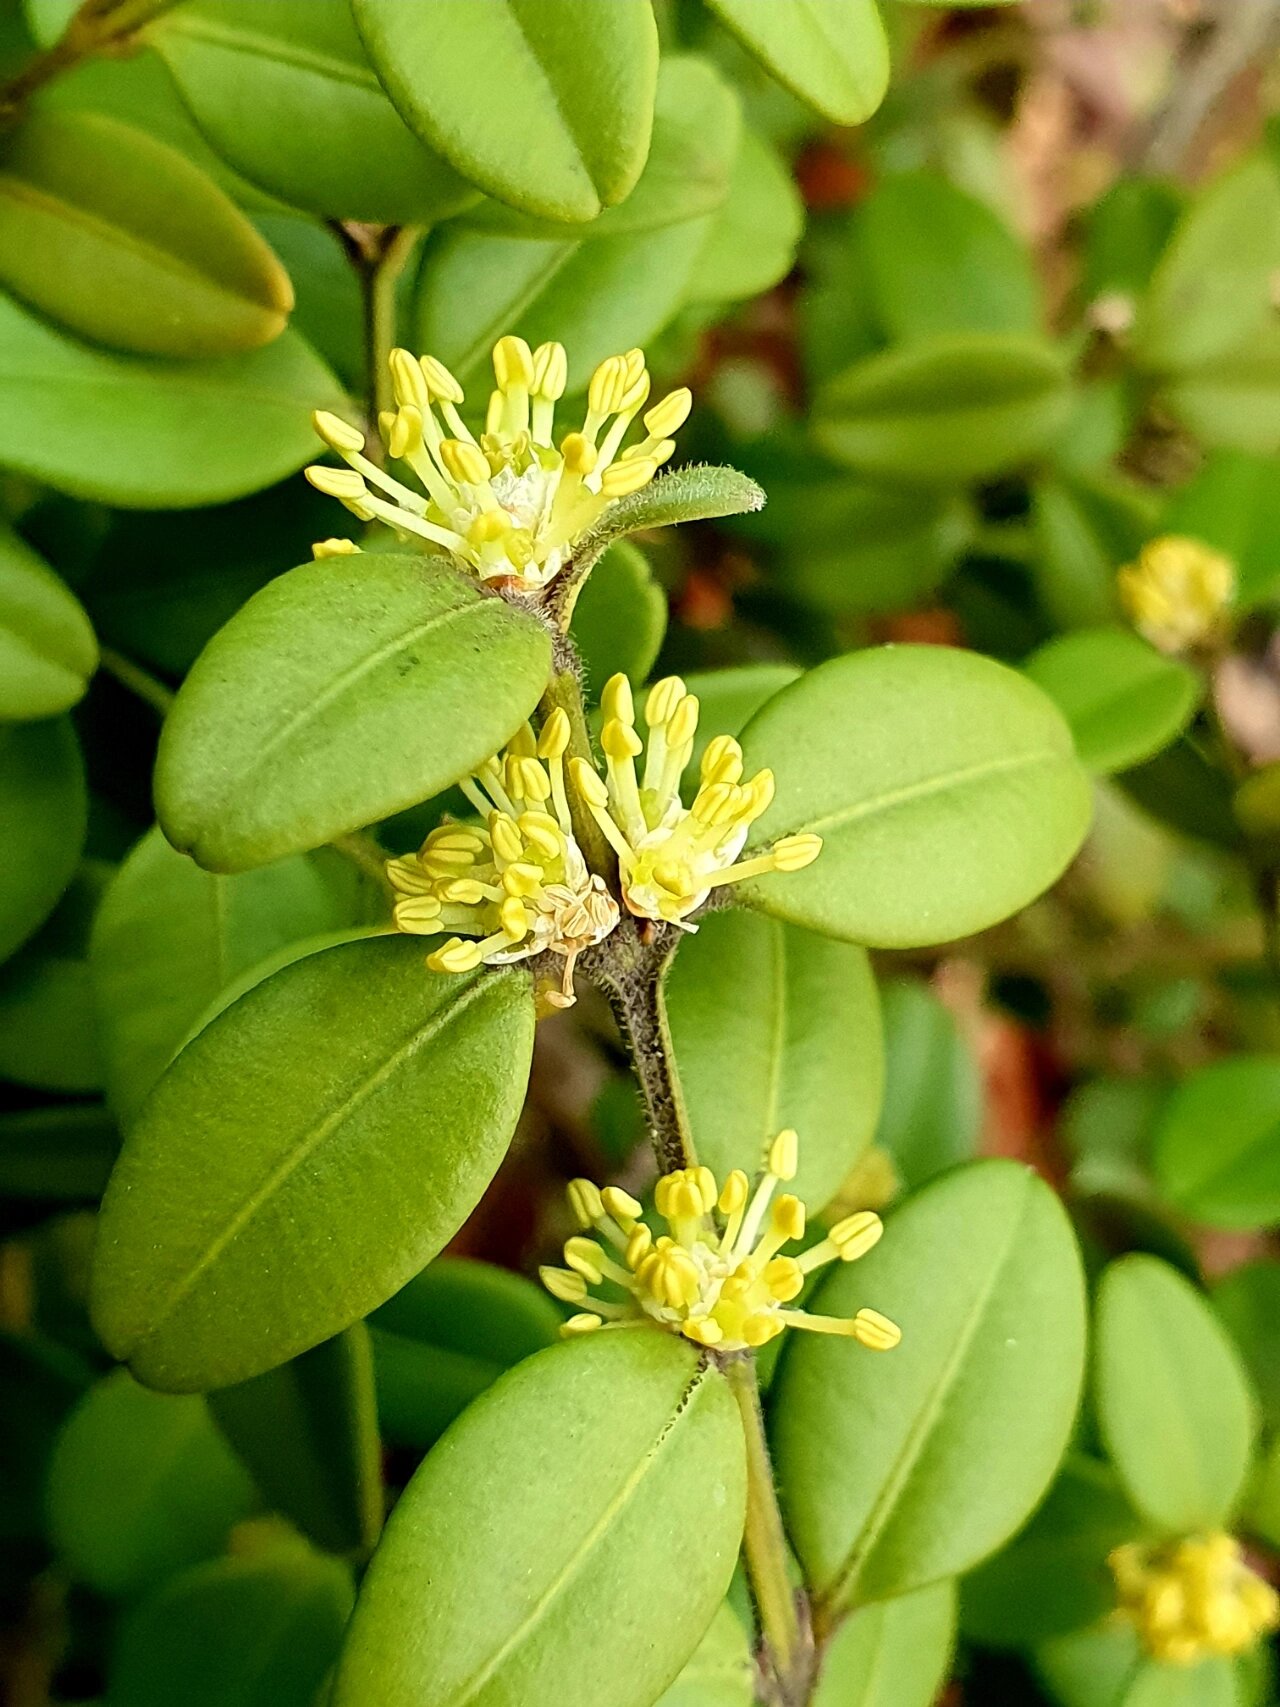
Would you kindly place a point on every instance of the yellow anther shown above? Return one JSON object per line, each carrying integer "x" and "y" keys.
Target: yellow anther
{"x": 553, "y": 741}
{"x": 507, "y": 841}
{"x": 671, "y": 1275}
{"x": 522, "y": 880}
{"x": 550, "y": 372}
{"x": 622, "y": 478}
{"x": 670, "y": 414}
{"x": 543, "y": 831}
{"x": 784, "y": 1278}
{"x": 524, "y": 742}
{"x": 585, "y": 1202}
{"x": 464, "y": 463}
{"x": 441, "y": 384}
{"x": 621, "y": 1205}
{"x": 609, "y": 385}
{"x": 760, "y": 791}
{"x": 788, "y": 1217}
{"x": 704, "y": 1330}
{"x": 464, "y": 892}
{"x": 417, "y": 915}
{"x": 1177, "y": 592}
{"x": 760, "y": 1328}
{"x": 489, "y": 527}
{"x": 875, "y": 1331}
{"x": 616, "y": 700}
{"x": 563, "y": 1283}
{"x": 856, "y": 1234}
{"x": 722, "y": 761}
{"x": 515, "y": 918}
{"x": 619, "y": 741}
{"x": 456, "y": 956}
{"x": 588, "y": 783}
{"x": 784, "y": 1154}
{"x": 683, "y": 723}
{"x": 584, "y": 1257}
{"x": 737, "y": 1188}
{"x": 639, "y": 1244}
{"x": 513, "y": 364}
{"x": 528, "y": 779}
{"x": 793, "y": 853}
{"x": 664, "y": 697}
{"x": 334, "y": 548}
{"x": 520, "y": 547}
{"x": 579, "y": 454}
{"x": 405, "y": 435}
{"x": 338, "y": 434}
{"x": 342, "y": 483}
{"x": 408, "y": 381}
{"x": 686, "y": 1192}
{"x": 583, "y": 1323}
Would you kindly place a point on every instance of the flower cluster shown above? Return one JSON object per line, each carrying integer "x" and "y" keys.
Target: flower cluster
{"x": 717, "y": 1276}
{"x": 517, "y": 881}
{"x": 671, "y": 856}
{"x": 1193, "y": 1597}
{"x": 1177, "y": 592}
{"x": 510, "y": 504}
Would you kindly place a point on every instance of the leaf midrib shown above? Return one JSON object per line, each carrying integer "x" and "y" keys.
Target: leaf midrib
{"x": 237, "y": 39}
{"x": 892, "y": 799}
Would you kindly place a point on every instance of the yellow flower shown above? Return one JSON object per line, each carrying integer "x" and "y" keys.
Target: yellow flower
{"x": 1193, "y": 1597}
{"x": 517, "y": 880}
{"x": 1177, "y": 592}
{"x": 718, "y": 1276}
{"x": 509, "y": 504}
{"x": 671, "y": 856}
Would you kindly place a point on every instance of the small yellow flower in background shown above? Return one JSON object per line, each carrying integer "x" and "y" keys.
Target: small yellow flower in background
{"x": 671, "y": 856}
{"x": 509, "y": 504}
{"x": 1177, "y": 592}
{"x": 1193, "y": 1597}
{"x": 517, "y": 880}
{"x": 718, "y": 1276}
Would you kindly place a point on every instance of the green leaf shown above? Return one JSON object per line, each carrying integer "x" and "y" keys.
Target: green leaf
{"x": 770, "y": 1027}
{"x": 1083, "y": 532}
{"x": 182, "y": 433}
{"x": 1186, "y": 789}
{"x": 1210, "y": 1683}
{"x": 945, "y": 409}
{"x": 1173, "y": 1399}
{"x": 341, "y": 693}
{"x": 286, "y": 93}
{"x": 258, "y": 1631}
{"x": 721, "y": 1672}
{"x": 729, "y": 699}
{"x": 1233, "y": 401}
{"x": 1091, "y": 1666}
{"x": 959, "y": 802}
{"x": 933, "y": 1094}
{"x": 565, "y": 128}
{"x": 620, "y": 617}
{"x": 1247, "y": 1302}
{"x": 833, "y": 54}
{"x": 1233, "y": 503}
{"x": 141, "y": 1485}
{"x": 1053, "y": 1577}
{"x": 1123, "y": 700}
{"x": 967, "y": 1417}
{"x": 896, "y": 1654}
{"x": 47, "y": 648}
{"x": 1125, "y": 235}
{"x": 568, "y": 1581}
{"x": 342, "y": 1118}
{"x": 694, "y": 494}
{"x": 308, "y": 1433}
{"x": 751, "y": 243}
{"x": 121, "y": 239}
{"x": 448, "y": 1335}
{"x": 64, "y": 1151}
{"x": 1217, "y": 1150}
{"x": 48, "y": 1031}
{"x": 942, "y": 261}
{"x": 44, "y": 808}
{"x": 1212, "y": 287}
{"x": 169, "y": 938}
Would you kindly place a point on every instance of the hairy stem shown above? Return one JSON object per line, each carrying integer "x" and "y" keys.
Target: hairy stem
{"x": 98, "y": 26}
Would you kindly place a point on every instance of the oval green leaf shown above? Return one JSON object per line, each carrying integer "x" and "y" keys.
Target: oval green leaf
{"x": 1122, "y": 699}
{"x": 305, "y": 1155}
{"x": 752, "y": 241}
{"x": 772, "y": 1026}
{"x": 1173, "y": 1399}
{"x": 1217, "y": 1148}
{"x": 141, "y": 1485}
{"x": 341, "y": 693}
{"x": 896, "y": 1654}
{"x": 947, "y": 408}
{"x": 47, "y": 648}
{"x": 44, "y": 807}
{"x": 286, "y": 93}
{"x": 932, "y": 1113}
{"x": 182, "y": 433}
{"x": 568, "y": 1582}
{"x": 945, "y": 787}
{"x": 620, "y": 618}
{"x": 833, "y": 54}
{"x": 124, "y": 241}
{"x": 1247, "y": 1302}
{"x": 545, "y": 104}
{"x": 969, "y": 1415}
{"x": 729, "y": 700}
{"x": 721, "y": 1672}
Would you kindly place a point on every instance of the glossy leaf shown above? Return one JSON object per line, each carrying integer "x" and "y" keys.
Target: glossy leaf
{"x": 968, "y": 1415}
{"x": 958, "y": 802}
{"x": 287, "y": 94}
{"x": 831, "y": 53}
{"x": 256, "y": 1631}
{"x": 1217, "y": 1150}
{"x": 182, "y": 433}
{"x": 943, "y": 409}
{"x": 1083, "y": 531}
{"x": 1123, "y": 700}
{"x": 448, "y": 1335}
{"x": 170, "y": 937}
{"x": 721, "y": 1672}
{"x": 931, "y": 1117}
{"x": 1173, "y": 1399}
{"x": 568, "y": 1583}
{"x": 896, "y": 1654}
{"x": 771, "y": 1026}
{"x": 119, "y": 238}
{"x": 751, "y": 244}
{"x": 339, "y": 1120}
{"x": 141, "y": 1485}
{"x": 341, "y": 693}
{"x": 568, "y": 133}
{"x": 47, "y": 648}
{"x": 620, "y": 617}
{"x": 1247, "y": 1302}
{"x": 44, "y": 808}
{"x": 65, "y": 1151}
{"x": 308, "y": 1434}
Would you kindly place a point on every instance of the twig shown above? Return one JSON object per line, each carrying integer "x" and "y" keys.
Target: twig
{"x": 138, "y": 681}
